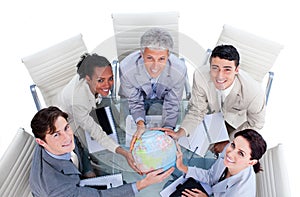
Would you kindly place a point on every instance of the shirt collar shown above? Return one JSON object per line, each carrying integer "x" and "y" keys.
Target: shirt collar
{"x": 227, "y": 90}
{"x": 66, "y": 156}
{"x": 98, "y": 99}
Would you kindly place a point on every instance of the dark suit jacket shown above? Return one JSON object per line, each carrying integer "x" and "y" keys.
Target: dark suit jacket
{"x": 54, "y": 177}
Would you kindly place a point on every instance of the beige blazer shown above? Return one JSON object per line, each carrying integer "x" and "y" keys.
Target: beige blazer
{"x": 77, "y": 100}
{"x": 243, "y": 108}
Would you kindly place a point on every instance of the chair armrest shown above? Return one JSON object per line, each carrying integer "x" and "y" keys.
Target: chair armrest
{"x": 35, "y": 97}
{"x": 269, "y": 84}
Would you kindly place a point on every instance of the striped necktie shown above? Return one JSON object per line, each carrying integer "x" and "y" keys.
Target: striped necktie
{"x": 153, "y": 86}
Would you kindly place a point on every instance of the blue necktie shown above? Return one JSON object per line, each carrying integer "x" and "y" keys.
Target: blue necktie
{"x": 153, "y": 85}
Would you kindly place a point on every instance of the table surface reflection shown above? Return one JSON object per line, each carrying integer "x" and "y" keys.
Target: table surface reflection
{"x": 111, "y": 163}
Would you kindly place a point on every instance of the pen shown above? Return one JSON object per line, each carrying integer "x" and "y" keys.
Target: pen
{"x": 192, "y": 155}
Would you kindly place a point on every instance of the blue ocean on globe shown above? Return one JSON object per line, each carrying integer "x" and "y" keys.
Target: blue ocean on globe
{"x": 154, "y": 150}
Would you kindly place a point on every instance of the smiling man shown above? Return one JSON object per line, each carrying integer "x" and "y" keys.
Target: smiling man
{"x": 55, "y": 172}
{"x": 152, "y": 79}
{"x": 223, "y": 87}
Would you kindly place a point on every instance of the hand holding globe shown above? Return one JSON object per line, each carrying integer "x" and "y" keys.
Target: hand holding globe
{"x": 154, "y": 150}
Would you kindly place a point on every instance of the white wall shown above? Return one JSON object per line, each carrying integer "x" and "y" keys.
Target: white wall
{"x": 29, "y": 26}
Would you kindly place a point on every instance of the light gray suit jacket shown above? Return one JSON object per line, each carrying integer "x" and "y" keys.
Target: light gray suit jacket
{"x": 136, "y": 86}
{"x": 50, "y": 177}
{"x": 242, "y": 184}
{"x": 243, "y": 108}
{"x": 77, "y": 100}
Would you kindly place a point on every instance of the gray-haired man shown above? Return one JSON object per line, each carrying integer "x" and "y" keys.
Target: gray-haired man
{"x": 152, "y": 79}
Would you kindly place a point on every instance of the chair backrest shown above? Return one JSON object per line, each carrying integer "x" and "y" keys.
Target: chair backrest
{"x": 129, "y": 27}
{"x": 273, "y": 181}
{"x": 52, "y": 68}
{"x": 257, "y": 54}
{"x": 15, "y": 165}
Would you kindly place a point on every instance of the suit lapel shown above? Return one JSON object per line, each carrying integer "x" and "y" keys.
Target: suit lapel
{"x": 60, "y": 165}
{"x": 235, "y": 96}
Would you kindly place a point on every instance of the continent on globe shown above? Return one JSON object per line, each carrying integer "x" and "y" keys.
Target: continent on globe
{"x": 154, "y": 150}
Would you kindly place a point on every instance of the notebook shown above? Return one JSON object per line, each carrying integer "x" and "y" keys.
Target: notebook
{"x": 210, "y": 131}
{"x": 107, "y": 123}
{"x": 190, "y": 184}
{"x": 109, "y": 181}
{"x": 181, "y": 183}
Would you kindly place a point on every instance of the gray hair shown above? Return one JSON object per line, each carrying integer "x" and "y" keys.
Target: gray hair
{"x": 157, "y": 38}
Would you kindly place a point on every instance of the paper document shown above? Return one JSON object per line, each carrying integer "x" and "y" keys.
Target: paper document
{"x": 211, "y": 130}
{"x": 152, "y": 121}
{"x": 94, "y": 146}
{"x": 106, "y": 121}
{"x": 110, "y": 181}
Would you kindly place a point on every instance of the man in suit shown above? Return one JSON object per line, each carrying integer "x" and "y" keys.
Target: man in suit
{"x": 223, "y": 87}
{"x": 152, "y": 80}
{"x": 53, "y": 170}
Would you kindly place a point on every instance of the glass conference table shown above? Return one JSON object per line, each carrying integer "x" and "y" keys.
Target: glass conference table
{"x": 111, "y": 163}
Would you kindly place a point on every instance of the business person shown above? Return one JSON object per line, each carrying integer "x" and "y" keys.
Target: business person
{"x": 78, "y": 98}
{"x": 233, "y": 173}
{"x": 53, "y": 170}
{"x": 152, "y": 80}
{"x": 223, "y": 87}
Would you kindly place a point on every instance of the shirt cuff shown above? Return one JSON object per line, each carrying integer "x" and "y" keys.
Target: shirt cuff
{"x": 140, "y": 118}
{"x": 187, "y": 134}
{"x": 134, "y": 188}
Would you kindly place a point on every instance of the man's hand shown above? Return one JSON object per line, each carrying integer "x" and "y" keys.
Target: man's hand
{"x": 172, "y": 133}
{"x": 128, "y": 156}
{"x": 218, "y": 147}
{"x": 153, "y": 177}
{"x": 140, "y": 129}
{"x": 193, "y": 193}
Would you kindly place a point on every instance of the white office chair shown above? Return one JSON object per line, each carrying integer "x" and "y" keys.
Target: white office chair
{"x": 15, "y": 166}
{"x": 129, "y": 27}
{"x": 52, "y": 68}
{"x": 257, "y": 54}
{"x": 273, "y": 181}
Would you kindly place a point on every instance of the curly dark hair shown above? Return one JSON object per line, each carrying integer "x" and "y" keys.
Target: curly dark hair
{"x": 87, "y": 64}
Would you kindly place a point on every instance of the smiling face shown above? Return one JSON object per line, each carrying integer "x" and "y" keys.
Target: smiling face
{"x": 222, "y": 72}
{"x": 155, "y": 61}
{"x": 61, "y": 141}
{"x": 102, "y": 80}
{"x": 238, "y": 156}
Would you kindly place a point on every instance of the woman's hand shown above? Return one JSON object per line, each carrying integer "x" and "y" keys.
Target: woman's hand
{"x": 193, "y": 193}
{"x": 179, "y": 160}
{"x": 153, "y": 177}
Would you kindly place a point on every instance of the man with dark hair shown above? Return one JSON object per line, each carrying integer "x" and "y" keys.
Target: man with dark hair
{"x": 223, "y": 87}
{"x": 54, "y": 171}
